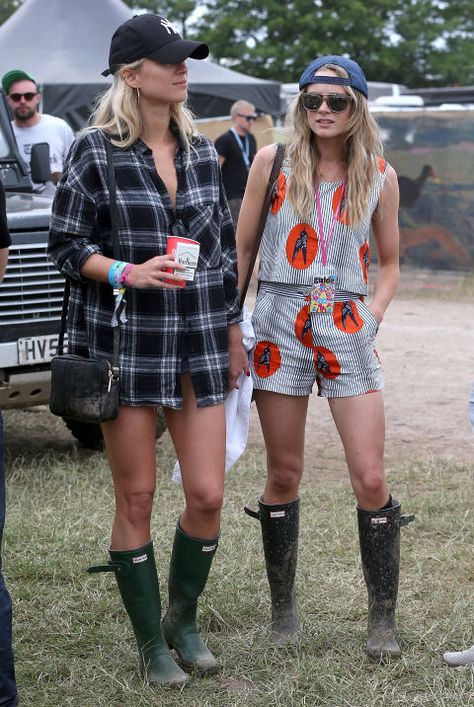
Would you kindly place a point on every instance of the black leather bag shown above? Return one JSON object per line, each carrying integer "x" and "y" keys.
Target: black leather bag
{"x": 87, "y": 389}
{"x": 84, "y": 389}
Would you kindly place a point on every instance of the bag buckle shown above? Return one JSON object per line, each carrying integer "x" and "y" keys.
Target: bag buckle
{"x": 114, "y": 374}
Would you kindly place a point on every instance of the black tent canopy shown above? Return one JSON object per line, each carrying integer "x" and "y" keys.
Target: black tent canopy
{"x": 64, "y": 44}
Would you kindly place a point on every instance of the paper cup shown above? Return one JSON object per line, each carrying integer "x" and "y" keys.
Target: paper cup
{"x": 186, "y": 251}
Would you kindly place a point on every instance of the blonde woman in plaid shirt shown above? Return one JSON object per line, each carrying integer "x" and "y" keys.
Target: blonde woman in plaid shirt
{"x": 180, "y": 347}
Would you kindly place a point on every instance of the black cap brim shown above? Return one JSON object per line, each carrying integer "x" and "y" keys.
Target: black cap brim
{"x": 174, "y": 53}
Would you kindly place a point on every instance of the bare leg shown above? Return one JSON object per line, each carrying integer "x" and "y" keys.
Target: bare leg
{"x": 198, "y": 435}
{"x": 130, "y": 443}
{"x": 283, "y": 423}
{"x": 283, "y": 419}
{"x": 360, "y": 421}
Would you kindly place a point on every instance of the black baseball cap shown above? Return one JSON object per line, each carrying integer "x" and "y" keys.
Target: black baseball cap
{"x": 151, "y": 37}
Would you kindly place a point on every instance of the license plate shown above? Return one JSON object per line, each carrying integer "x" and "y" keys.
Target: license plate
{"x": 37, "y": 349}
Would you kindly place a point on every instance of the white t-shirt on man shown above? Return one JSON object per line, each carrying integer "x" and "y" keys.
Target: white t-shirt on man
{"x": 55, "y": 131}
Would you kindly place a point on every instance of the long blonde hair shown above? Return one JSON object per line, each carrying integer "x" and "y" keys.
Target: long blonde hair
{"x": 362, "y": 146}
{"x": 118, "y": 113}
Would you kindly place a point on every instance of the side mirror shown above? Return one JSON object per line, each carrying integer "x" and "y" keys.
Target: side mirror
{"x": 40, "y": 167}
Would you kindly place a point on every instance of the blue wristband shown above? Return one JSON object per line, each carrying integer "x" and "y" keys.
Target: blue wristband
{"x": 115, "y": 272}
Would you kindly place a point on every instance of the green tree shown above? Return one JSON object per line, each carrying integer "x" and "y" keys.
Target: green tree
{"x": 8, "y": 7}
{"x": 178, "y": 11}
{"x": 414, "y": 42}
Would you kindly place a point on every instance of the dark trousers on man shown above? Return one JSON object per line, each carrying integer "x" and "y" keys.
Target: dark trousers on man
{"x": 8, "y": 692}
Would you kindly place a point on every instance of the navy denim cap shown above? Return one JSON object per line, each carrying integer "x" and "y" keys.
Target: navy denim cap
{"x": 356, "y": 78}
{"x": 150, "y": 37}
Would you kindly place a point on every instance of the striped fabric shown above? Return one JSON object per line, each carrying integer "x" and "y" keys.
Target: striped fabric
{"x": 164, "y": 326}
{"x": 291, "y": 250}
{"x": 295, "y": 348}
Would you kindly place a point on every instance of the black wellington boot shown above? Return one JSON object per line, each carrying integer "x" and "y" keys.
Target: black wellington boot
{"x": 137, "y": 579}
{"x": 280, "y": 527}
{"x": 191, "y": 561}
{"x": 379, "y": 536}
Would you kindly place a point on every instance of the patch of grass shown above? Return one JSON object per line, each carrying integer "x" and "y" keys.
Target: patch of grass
{"x": 74, "y": 645}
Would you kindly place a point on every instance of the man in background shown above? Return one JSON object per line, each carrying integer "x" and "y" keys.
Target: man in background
{"x": 8, "y": 691}
{"x": 30, "y": 126}
{"x": 236, "y": 149}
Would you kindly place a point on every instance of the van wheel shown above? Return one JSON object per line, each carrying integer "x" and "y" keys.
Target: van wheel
{"x": 89, "y": 434}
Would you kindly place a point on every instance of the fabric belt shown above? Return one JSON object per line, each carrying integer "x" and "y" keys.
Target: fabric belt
{"x": 284, "y": 289}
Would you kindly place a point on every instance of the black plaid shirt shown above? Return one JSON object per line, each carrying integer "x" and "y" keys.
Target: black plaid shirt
{"x": 164, "y": 326}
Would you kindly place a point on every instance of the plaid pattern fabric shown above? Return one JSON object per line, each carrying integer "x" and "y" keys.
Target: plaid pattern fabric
{"x": 164, "y": 326}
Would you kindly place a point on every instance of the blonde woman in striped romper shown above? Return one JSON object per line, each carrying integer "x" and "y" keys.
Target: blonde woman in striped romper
{"x": 313, "y": 325}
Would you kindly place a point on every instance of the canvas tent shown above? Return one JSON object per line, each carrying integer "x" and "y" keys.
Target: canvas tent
{"x": 64, "y": 44}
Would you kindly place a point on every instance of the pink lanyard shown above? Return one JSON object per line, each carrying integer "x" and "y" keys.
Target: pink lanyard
{"x": 325, "y": 243}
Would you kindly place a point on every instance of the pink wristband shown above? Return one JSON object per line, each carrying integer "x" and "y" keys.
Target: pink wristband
{"x": 125, "y": 273}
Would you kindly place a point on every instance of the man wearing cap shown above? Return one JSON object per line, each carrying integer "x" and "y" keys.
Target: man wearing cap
{"x": 30, "y": 126}
{"x": 236, "y": 149}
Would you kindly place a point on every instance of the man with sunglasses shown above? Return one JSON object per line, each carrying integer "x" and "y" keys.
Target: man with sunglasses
{"x": 236, "y": 149}
{"x": 31, "y": 127}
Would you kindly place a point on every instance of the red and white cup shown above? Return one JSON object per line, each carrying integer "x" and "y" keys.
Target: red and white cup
{"x": 186, "y": 252}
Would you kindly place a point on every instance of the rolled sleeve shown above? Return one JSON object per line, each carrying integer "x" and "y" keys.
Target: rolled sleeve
{"x": 74, "y": 211}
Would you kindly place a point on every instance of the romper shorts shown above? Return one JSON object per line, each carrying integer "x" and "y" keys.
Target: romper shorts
{"x": 294, "y": 348}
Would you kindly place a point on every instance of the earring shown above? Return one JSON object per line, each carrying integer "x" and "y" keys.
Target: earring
{"x": 138, "y": 93}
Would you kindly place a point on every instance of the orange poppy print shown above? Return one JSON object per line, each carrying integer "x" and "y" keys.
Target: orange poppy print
{"x": 346, "y": 317}
{"x": 326, "y": 363}
{"x": 302, "y": 246}
{"x": 266, "y": 359}
{"x": 336, "y": 204}
{"x": 303, "y": 328}
{"x": 381, "y": 164}
{"x": 364, "y": 257}
{"x": 279, "y": 197}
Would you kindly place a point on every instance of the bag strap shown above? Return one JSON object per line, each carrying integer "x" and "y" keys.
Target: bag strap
{"x": 279, "y": 155}
{"x": 116, "y": 253}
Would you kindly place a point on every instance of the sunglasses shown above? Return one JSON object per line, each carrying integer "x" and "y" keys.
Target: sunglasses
{"x": 336, "y": 102}
{"x": 248, "y": 118}
{"x": 16, "y": 97}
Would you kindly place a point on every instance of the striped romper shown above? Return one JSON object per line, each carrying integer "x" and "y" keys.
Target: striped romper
{"x": 295, "y": 347}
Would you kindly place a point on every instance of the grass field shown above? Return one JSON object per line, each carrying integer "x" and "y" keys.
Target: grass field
{"x": 74, "y": 645}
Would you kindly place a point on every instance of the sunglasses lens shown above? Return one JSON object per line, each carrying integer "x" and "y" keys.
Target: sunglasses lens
{"x": 335, "y": 102}
{"x": 16, "y": 97}
{"x": 338, "y": 104}
{"x": 312, "y": 101}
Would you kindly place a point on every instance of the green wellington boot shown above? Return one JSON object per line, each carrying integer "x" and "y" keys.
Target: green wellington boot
{"x": 280, "y": 528}
{"x": 379, "y": 536}
{"x": 137, "y": 579}
{"x": 189, "y": 569}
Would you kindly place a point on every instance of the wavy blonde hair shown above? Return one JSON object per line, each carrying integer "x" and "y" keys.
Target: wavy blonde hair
{"x": 362, "y": 146}
{"x": 118, "y": 113}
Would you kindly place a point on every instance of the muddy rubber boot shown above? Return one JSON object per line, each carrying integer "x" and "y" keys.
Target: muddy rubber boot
{"x": 280, "y": 527}
{"x": 137, "y": 579}
{"x": 191, "y": 561}
{"x": 379, "y": 536}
